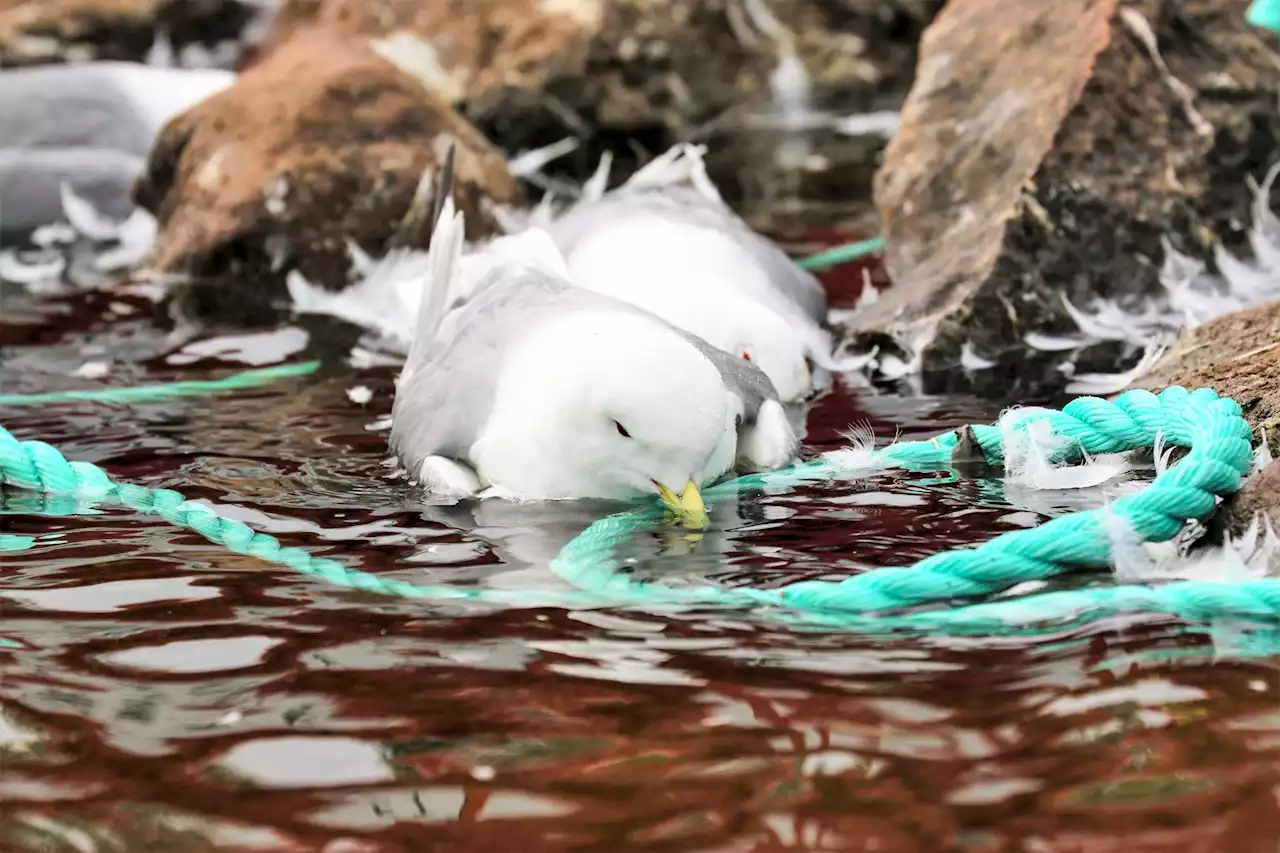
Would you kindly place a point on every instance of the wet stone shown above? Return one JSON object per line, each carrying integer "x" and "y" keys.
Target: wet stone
{"x": 1238, "y": 356}
{"x": 1046, "y": 149}
{"x": 323, "y": 142}
{"x": 635, "y": 76}
{"x": 49, "y": 31}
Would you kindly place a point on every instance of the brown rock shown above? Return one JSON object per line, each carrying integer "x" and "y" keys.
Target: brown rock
{"x": 1239, "y": 357}
{"x": 34, "y": 32}
{"x": 482, "y": 44}
{"x": 1044, "y": 151}
{"x": 1260, "y": 496}
{"x": 624, "y": 72}
{"x": 325, "y": 141}
{"x": 975, "y": 129}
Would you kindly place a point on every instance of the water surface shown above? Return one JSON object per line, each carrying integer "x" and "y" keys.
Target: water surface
{"x": 160, "y": 693}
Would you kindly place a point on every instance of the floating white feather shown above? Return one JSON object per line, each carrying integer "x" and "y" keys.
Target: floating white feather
{"x": 1252, "y": 555}
{"x": 1190, "y": 296}
{"x": 385, "y": 300}
{"x": 533, "y": 162}
{"x": 681, "y": 164}
{"x": 598, "y": 184}
{"x": 970, "y": 360}
{"x": 53, "y": 234}
{"x": 1161, "y": 455}
{"x": 860, "y": 455}
{"x": 84, "y": 217}
{"x": 1110, "y": 383}
{"x": 1262, "y": 454}
{"x": 135, "y": 238}
{"x": 1033, "y": 453}
{"x": 1054, "y": 343}
{"x": 30, "y": 273}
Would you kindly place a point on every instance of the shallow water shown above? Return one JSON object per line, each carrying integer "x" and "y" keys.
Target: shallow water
{"x": 162, "y": 694}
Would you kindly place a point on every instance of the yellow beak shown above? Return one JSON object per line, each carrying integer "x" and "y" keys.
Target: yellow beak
{"x": 688, "y": 506}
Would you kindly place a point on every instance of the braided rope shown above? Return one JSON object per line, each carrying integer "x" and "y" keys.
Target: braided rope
{"x": 73, "y": 487}
{"x": 1220, "y": 456}
{"x": 1212, "y": 427}
{"x": 1264, "y": 14}
{"x": 843, "y": 254}
{"x": 166, "y": 390}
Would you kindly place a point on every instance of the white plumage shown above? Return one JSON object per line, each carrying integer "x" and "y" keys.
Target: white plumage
{"x": 533, "y": 389}
{"x": 665, "y": 241}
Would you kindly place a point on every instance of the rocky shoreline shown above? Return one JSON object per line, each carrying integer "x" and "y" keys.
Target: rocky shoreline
{"x": 342, "y": 106}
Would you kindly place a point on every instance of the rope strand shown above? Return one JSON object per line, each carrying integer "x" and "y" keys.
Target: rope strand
{"x": 885, "y": 599}
{"x": 166, "y": 390}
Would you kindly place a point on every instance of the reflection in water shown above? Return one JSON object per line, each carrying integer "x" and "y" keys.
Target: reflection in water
{"x": 162, "y": 694}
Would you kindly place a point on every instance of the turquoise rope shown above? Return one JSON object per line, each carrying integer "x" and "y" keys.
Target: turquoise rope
{"x": 1264, "y": 14}
{"x": 73, "y": 487}
{"x": 841, "y": 254}
{"x": 37, "y": 466}
{"x": 1212, "y": 427}
{"x": 1220, "y": 456}
{"x": 11, "y": 542}
{"x": 167, "y": 390}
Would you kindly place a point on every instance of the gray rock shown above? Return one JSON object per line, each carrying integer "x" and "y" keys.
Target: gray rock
{"x": 1048, "y": 150}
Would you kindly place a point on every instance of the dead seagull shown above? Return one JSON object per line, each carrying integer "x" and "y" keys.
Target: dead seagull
{"x": 666, "y": 242}
{"x": 533, "y": 389}
{"x": 663, "y": 242}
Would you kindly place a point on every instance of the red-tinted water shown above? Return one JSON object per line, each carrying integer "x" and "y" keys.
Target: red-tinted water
{"x": 164, "y": 695}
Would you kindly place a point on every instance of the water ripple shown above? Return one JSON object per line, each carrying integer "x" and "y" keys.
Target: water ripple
{"x": 159, "y": 693}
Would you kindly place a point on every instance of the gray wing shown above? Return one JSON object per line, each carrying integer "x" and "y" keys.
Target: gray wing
{"x": 740, "y": 376}
{"x": 446, "y": 399}
{"x": 796, "y": 290}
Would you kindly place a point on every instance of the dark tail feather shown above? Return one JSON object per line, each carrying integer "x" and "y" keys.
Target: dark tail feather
{"x": 444, "y": 186}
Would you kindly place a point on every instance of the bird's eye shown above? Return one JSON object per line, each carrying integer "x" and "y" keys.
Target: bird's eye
{"x": 622, "y": 431}
{"x": 746, "y": 355}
